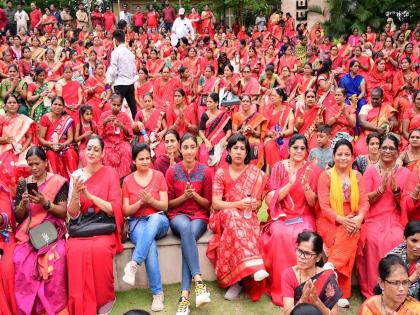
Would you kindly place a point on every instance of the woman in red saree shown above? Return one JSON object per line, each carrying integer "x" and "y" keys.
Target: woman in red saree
{"x": 7, "y": 245}
{"x": 304, "y": 82}
{"x": 187, "y": 84}
{"x": 56, "y": 134}
{"x": 97, "y": 92}
{"x": 378, "y": 77}
{"x": 252, "y": 125}
{"x": 53, "y": 68}
{"x": 252, "y": 60}
{"x": 208, "y": 59}
{"x": 281, "y": 125}
{"x": 48, "y": 21}
{"x": 288, "y": 59}
{"x": 411, "y": 119}
{"x": 270, "y": 56}
{"x": 207, "y": 17}
{"x": 115, "y": 128}
{"x": 237, "y": 194}
{"x": 173, "y": 61}
{"x": 154, "y": 65}
{"x": 339, "y": 116}
{"x": 310, "y": 118}
{"x": 291, "y": 202}
{"x": 344, "y": 203}
{"x": 365, "y": 62}
{"x": 17, "y": 131}
{"x": 215, "y": 129}
{"x": 390, "y": 54}
{"x": 206, "y": 84}
{"x": 84, "y": 129}
{"x": 90, "y": 259}
{"x": 192, "y": 62}
{"x": 142, "y": 86}
{"x": 180, "y": 116}
{"x": 248, "y": 84}
{"x": 164, "y": 89}
{"x": 382, "y": 230}
{"x": 410, "y": 158}
{"x": 194, "y": 17}
{"x": 378, "y": 117}
{"x": 150, "y": 126}
{"x": 72, "y": 93}
{"x": 40, "y": 275}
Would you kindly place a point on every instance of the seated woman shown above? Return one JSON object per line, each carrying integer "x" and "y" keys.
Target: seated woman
{"x": 7, "y": 246}
{"x": 307, "y": 282}
{"x": 237, "y": 195}
{"x": 13, "y": 85}
{"x": 281, "y": 124}
{"x": 90, "y": 259}
{"x": 392, "y": 291}
{"x": 145, "y": 198}
{"x": 164, "y": 88}
{"x": 71, "y": 91}
{"x": 84, "y": 129}
{"x": 39, "y": 95}
{"x": 410, "y": 158}
{"x": 291, "y": 208}
{"x": 189, "y": 190}
{"x": 208, "y": 83}
{"x": 372, "y": 157}
{"x": 115, "y": 128}
{"x": 387, "y": 187}
{"x": 181, "y": 116}
{"x": 150, "y": 125}
{"x": 17, "y": 131}
{"x": 344, "y": 203}
{"x": 411, "y": 118}
{"x": 56, "y": 134}
{"x": 253, "y": 125}
{"x": 215, "y": 128}
{"x": 409, "y": 253}
{"x": 172, "y": 154}
{"x": 142, "y": 86}
{"x": 40, "y": 276}
{"x": 354, "y": 84}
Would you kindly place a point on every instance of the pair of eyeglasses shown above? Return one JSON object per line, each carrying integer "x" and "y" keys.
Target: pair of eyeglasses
{"x": 304, "y": 254}
{"x": 388, "y": 149}
{"x": 397, "y": 283}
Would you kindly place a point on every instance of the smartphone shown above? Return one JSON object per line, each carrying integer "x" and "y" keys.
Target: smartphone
{"x": 32, "y": 188}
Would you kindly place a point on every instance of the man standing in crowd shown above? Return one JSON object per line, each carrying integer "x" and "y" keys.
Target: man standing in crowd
{"x": 56, "y": 14}
{"x": 122, "y": 71}
{"x": 10, "y": 12}
{"x": 125, "y": 15}
{"x": 109, "y": 19}
{"x": 35, "y": 16}
{"x": 168, "y": 15}
{"x": 81, "y": 17}
{"x": 138, "y": 19}
{"x": 21, "y": 18}
{"x": 182, "y": 27}
{"x": 66, "y": 16}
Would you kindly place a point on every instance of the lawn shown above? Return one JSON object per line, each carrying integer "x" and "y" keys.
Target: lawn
{"x": 141, "y": 299}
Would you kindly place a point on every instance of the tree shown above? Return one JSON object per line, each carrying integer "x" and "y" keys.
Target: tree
{"x": 348, "y": 14}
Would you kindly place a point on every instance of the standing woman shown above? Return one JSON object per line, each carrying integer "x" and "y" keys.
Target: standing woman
{"x": 237, "y": 195}
{"x": 386, "y": 185}
{"x": 291, "y": 208}
{"x": 56, "y": 134}
{"x": 189, "y": 190}
{"x": 90, "y": 259}
{"x": 40, "y": 276}
{"x": 344, "y": 203}
{"x": 115, "y": 128}
{"x": 145, "y": 199}
{"x": 215, "y": 128}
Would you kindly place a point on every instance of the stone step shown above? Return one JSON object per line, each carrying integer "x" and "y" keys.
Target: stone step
{"x": 169, "y": 249}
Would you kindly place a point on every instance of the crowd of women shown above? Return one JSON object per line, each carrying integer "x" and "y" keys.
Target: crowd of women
{"x": 326, "y": 135}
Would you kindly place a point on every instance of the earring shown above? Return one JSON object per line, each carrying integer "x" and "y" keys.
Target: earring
{"x": 228, "y": 158}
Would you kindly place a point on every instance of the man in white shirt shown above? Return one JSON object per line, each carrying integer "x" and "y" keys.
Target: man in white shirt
{"x": 82, "y": 18}
{"x": 122, "y": 71}
{"x": 125, "y": 15}
{"x": 182, "y": 27}
{"x": 21, "y": 18}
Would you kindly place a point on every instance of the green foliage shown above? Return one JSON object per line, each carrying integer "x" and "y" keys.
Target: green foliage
{"x": 347, "y": 14}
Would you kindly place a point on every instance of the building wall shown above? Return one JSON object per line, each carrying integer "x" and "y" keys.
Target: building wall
{"x": 299, "y": 10}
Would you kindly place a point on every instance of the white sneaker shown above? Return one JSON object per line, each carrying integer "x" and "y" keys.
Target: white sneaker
{"x": 343, "y": 303}
{"x": 233, "y": 292}
{"x": 157, "y": 304}
{"x": 130, "y": 272}
{"x": 183, "y": 306}
{"x": 328, "y": 265}
{"x": 260, "y": 275}
{"x": 202, "y": 295}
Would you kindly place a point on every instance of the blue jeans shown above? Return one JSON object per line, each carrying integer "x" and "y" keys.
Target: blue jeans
{"x": 144, "y": 236}
{"x": 189, "y": 231}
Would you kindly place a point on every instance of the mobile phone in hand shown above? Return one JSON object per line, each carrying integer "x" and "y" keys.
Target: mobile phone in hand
{"x": 32, "y": 188}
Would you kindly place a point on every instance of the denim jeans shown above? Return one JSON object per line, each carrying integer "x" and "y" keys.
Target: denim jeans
{"x": 144, "y": 236}
{"x": 189, "y": 231}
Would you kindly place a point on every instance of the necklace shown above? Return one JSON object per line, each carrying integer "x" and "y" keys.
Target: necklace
{"x": 384, "y": 308}
{"x": 372, "y": 162}
{"x": 300, "y": 276}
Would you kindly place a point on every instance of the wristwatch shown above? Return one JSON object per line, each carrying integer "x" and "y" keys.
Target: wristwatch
{"x": 47, "y": 206}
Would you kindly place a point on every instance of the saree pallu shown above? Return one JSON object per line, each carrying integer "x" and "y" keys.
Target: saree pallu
{"x": 40, "y": 276}
{"x": 309, "y": 123}
{"x": 95, "y": 100}
{"x": 287, "y": 218}
{"x": 208, "y": 87}
{"x": 383, "y": 80}
{"x": 409, "y": 307}
{"x": 233, "y": 250}
{"x": 90, "y": 259}
{"x": 190, "y": 117}
{"x": 152, "y": 125}
{"x": 7, "y": 244}
{"x": 70, "y": 93}
{"x": 163, "y": 92}
{"x": 14, "y": 166}
{"x": 141, "y": 90}
{"x": 341, "y": 124}
{"x": 214, "y": 133}
{"x": 39, "y": 107}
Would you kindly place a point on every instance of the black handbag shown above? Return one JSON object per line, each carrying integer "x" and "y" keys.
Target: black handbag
{"x": 43, "y": 235}
{"x": 92, "y": 224}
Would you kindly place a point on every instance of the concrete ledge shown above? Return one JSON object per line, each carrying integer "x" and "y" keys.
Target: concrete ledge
{"x": 169, "y": 260}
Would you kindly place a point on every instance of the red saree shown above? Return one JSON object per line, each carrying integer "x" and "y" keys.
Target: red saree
{"x": 163, "y": 92}
{"x": 90, "y": 259}
{"x": 141, "y": 90}
{"x": 251, "y": 87}
{"x": 382, "y": 80}
{"x": 342, "y": 124}
{"x": 278, "y": 239}
{"x": 117, "y": 143}
{"x": 7, "y": 244}
{"x": 153, "y": 124}
{"x": 233, "y": 263}
{"x": 208, "y": 86}
{"x": 96, "y": 99}
{"x": 189, "y": 115}
{"x": 403, "y": 97}
{"x": 309, "y": 123}
{"x": 70, "y": 93}
{"x": 155, "y": 66}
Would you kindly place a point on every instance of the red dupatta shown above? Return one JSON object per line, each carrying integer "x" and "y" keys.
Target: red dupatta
{"x": 208, "y": 85}
{"x": 60, "y": 126}
{"x": 189, "y": 116}
{"x": 252, "y": 87}
{"x": 214, "y": 128}
{"x": 70, "y": 93}
{"x": 309, "y": 120}
{"x": 153, "y": 123}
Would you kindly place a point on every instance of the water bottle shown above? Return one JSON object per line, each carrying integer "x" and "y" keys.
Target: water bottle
{"x": 248, "y": 211}
{"x": 279, "y": 140}
{"x": 55, "y": 139}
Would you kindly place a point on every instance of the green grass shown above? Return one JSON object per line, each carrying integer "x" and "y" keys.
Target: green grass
{"x": 142, "y": 299}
